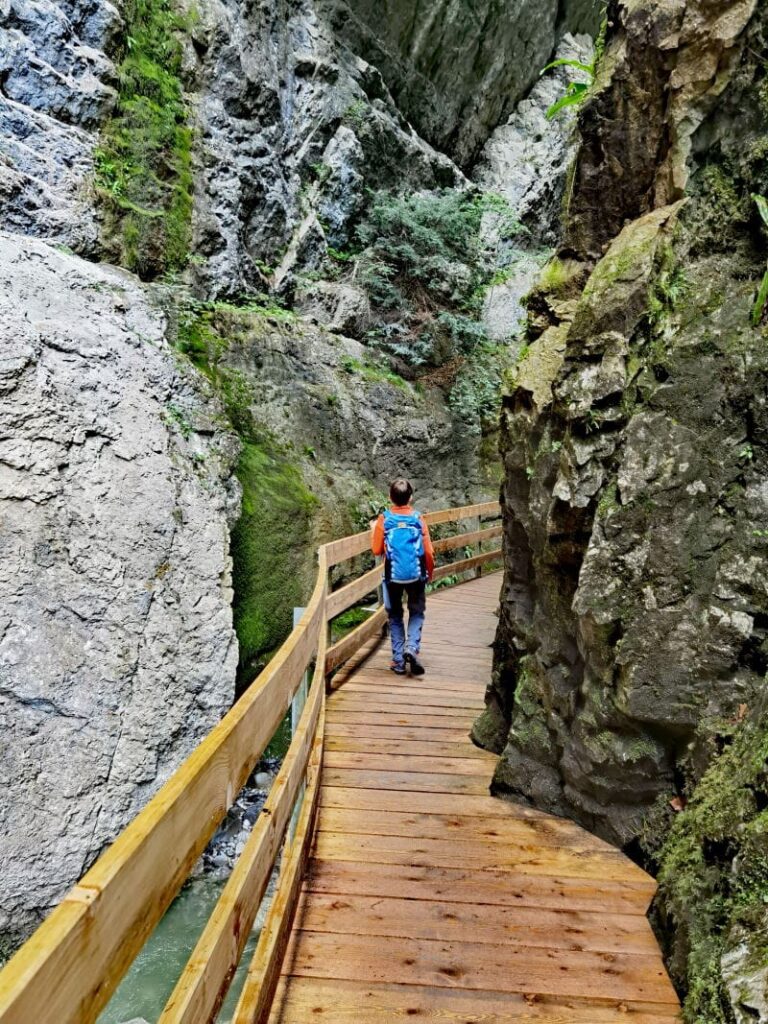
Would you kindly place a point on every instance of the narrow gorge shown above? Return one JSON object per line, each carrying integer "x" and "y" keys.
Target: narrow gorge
{"x": 260, "y": 258}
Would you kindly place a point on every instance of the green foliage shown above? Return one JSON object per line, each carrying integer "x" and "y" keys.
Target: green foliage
{"x": 554, "y": 277}
{"x": 176, "y": 416}
{"x": 475, "y": 394}
{"x": 576, "y": 92}
{"x": 374, "y": 374}
{"x": 143, "y": 170}
{"x": 425, "y": 266}
{"x": 669, "y": 287}
{"x": 347, "y": 621}
{"x": 762, "y": 295}
{"x": 714, "y": 867}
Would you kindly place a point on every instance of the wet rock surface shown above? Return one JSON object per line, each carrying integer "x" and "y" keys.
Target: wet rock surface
{"x": 117, "y": 652}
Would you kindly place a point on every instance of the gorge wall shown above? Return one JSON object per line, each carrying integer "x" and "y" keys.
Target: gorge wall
{"x": 629, "y": 679}
{"x": 178, "y": 434}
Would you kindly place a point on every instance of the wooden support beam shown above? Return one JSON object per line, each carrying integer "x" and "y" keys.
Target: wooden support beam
{"x": 263, "y": 975}
{"x": 451, "y": 515}
{"x": 463, "y": 540}
{"x": 354, "y": 640}
{"x": 345, "y": 597}
{"x": 467, "y": 563}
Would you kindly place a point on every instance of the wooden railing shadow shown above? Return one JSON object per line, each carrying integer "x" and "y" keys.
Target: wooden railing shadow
{"x": 69, "y": 968}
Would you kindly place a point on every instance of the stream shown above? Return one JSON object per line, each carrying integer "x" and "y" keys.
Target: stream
{"x": 145, "y": 989}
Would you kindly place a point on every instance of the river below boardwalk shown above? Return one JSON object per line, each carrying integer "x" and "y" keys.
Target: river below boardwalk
{"x": 146, "y": 987}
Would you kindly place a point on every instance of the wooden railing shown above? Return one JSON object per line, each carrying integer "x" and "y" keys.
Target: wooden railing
{"x": 68, "y": 970}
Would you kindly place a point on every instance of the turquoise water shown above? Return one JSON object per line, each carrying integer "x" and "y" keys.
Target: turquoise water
{"x": 145, "y": 988}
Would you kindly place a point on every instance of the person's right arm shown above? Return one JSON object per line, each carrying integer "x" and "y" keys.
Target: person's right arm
{"x": 377, "y": 536}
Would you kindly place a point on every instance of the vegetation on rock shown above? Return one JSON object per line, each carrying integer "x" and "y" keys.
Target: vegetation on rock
{"x": 143, "y": 163}
{"x": 273, "y": 534}
{"x": 425, "y": 263}
{"x": 713, "y": 865}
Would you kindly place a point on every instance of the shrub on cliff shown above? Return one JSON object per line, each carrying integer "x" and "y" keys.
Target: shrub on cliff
{"x": 426, "y": 259}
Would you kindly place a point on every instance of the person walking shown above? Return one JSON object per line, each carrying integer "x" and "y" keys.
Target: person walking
{"x": 402, "y": 536}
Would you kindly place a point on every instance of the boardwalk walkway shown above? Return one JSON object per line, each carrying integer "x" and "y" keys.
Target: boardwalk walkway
{"x": 426, "y": 899}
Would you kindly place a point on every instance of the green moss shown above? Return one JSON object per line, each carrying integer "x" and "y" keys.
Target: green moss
{"x": 609, "y": 500}
{"x": 554, "y": 277}
{"x": 374, "y": 374}
{"x": 714, "y": 870}
{"x": 274, "y": 530}
{"x": 143, "y": 165}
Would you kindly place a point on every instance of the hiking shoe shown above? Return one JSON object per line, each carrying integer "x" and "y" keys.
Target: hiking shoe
{"x": 397, "y": 668}
{"x": 417, "y": 669}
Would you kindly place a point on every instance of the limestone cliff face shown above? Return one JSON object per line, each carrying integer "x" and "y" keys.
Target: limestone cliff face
{"x": 117, "y": 652}
{"x": 58, "y": 87}
{"x": 634, "y": 606}
{"x": 455, "y": 69}
{"x": 119, "y": 469}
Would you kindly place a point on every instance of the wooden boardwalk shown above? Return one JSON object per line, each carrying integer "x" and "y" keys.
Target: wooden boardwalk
{"x": 427, "y": 899}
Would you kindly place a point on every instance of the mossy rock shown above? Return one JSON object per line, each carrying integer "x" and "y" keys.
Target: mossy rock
{"x": 269, "y": 545}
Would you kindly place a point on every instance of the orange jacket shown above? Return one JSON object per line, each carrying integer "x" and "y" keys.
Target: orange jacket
{"x": 377, "y": 538}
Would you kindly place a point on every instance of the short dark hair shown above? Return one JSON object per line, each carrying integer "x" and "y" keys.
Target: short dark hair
{"x": 400, "y": 491}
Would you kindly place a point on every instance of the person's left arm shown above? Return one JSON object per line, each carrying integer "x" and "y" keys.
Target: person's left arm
{"x": 429, "y": 551}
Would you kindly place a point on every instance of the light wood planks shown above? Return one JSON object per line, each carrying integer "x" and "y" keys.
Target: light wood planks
{"x": 352, "y": 1002}
{"x": 428, "y": 899}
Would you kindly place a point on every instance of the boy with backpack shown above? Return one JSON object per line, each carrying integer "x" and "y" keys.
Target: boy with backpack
{"x": 402, "y": 536}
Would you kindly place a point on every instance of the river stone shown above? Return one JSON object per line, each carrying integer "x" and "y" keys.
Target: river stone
{"x": 117, "y": 652}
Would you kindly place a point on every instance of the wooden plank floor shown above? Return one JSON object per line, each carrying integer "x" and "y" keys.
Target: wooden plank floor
{"x": 426, "y": 898}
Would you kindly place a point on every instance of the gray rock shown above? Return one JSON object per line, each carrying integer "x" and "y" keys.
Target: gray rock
{"x": 503, "y": 310}
{"x": 456, "y": 70}
{"x": 117, "y": 652}
{"x": 526, "y": 160}
{"x": 746, "y": 981}
{"x": 321, "y": 392}
{"x": 293, "y": 128}
{"x": 338, "y": 305}
{"x": 57, "y": 90}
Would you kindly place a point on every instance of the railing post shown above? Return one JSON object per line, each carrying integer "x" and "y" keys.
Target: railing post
{"x": 328, "y": 631}
{"x": 479, "y": 568}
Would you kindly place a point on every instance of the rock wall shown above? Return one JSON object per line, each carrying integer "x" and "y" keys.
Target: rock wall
{"x": 117, "y": 471}
{"x": 117, "y": 652}
{"x": 455, "y": 69}
{"x": 633, "y": 617}
{"x": 293, "y": 128}
{"x": 58, "y": 87}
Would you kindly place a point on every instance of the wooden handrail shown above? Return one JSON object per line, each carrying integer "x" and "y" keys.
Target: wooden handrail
{"x": 70, "y": 967}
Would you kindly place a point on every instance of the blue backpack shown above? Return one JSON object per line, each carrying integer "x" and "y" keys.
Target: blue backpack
{"x": 404, "y": 548}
